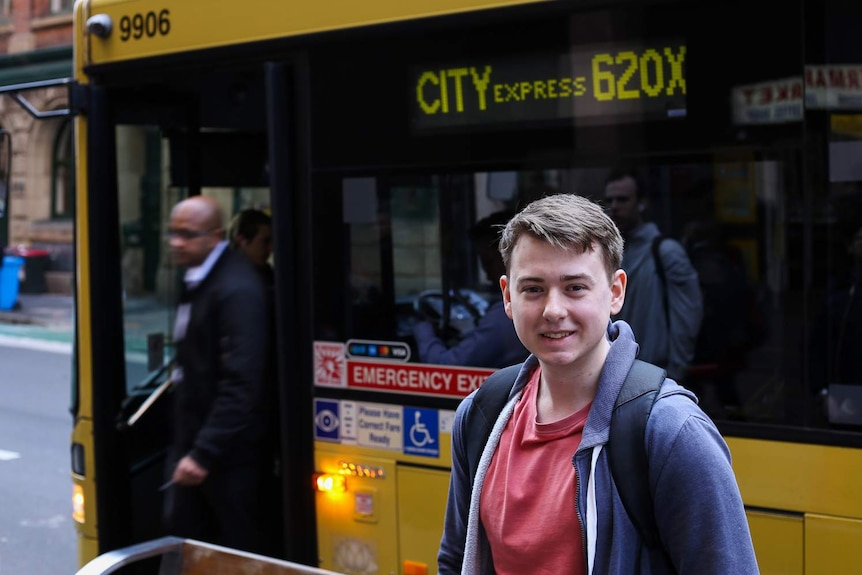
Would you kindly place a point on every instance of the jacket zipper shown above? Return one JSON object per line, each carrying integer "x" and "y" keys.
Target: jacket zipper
{"x": 578, "y": 513}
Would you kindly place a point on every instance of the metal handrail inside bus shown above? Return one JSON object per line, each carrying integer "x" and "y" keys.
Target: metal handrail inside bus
{"x": 151, "y": 399}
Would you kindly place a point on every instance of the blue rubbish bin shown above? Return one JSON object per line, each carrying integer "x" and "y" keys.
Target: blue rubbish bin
{"x": 9, "y": 281}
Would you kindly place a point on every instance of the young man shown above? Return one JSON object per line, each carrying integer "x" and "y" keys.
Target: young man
{"x": 543, "y": 499}
{"x": 664, "y": 313}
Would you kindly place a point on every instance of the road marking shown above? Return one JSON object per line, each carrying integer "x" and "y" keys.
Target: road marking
{"x": 51, "y": 522}
{"x": 8, "y": 455}
{"x": 35, "y": 344}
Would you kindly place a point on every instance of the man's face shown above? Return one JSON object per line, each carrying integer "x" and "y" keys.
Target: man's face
{"x": 190, "y": 236}
{"x": 622, "y": 203}
{"x": 259, "y": 248}
{"x": 560, "y": 302}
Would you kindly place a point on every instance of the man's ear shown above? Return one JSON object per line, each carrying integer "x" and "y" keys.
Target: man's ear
{"x": 507, "y": 296}
{"x": 618, "y": 291}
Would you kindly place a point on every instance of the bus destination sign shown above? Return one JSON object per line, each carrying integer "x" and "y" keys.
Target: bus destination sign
{"x": 599, "y": 85}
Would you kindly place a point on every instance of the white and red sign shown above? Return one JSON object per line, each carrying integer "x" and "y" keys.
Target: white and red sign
{"x": 823, "y": 87}
{"x": 833, "y": 87}
{"x": 773, "y": 102}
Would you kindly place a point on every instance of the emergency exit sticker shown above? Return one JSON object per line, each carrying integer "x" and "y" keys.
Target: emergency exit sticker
{"x": 421, "y": 432}
{"x": 329, "y": 364}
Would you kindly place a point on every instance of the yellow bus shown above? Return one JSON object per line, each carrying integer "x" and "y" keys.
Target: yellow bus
{"x": 377, "y": 134}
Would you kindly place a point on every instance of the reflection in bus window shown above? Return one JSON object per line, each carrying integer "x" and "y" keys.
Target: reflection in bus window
{"x": 412, "y": 264}
{"x": 835, "y": 335}
{"x": 148, "y": 289}
{"x": 491, "y": 340}
{"x": 150, "y": 280}
{"x": 402, "y": 243}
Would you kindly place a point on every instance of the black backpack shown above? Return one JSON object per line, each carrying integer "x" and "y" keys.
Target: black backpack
{"x": 625, "y": 448}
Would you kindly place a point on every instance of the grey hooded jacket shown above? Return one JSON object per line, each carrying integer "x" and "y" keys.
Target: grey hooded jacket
{"x": 698, "y": 507}
{"x": 667, "y": 339}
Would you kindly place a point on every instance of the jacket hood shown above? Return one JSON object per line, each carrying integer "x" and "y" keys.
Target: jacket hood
{"x": 621, "y": 356}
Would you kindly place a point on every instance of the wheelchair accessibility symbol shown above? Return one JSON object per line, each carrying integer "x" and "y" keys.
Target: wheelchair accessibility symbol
{"x": 421, "y": 432}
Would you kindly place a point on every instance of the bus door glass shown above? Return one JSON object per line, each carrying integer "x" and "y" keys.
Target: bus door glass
{"x": 150, "y": 280}
{"x": 165, "y": 152}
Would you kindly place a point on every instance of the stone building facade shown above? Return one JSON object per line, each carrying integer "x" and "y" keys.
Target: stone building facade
{"x": 36, "y": 45}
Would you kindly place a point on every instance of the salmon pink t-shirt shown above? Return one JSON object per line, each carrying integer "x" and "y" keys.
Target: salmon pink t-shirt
{"x": 528, "y": 499}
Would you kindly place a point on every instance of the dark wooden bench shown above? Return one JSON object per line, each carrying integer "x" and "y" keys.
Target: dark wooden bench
{"x": 189, "y": 557}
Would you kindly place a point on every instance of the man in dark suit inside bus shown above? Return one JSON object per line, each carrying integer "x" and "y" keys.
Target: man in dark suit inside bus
{"x": 214, "y": 465}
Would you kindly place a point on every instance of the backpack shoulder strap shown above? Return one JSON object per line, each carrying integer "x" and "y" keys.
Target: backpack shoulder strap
{"x": 489, "y": 401}
{"x": 659, "y": 269}
{"x": 627, "y": 451}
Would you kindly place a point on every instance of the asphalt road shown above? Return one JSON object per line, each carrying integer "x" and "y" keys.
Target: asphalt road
{"x": 37, "y": 534}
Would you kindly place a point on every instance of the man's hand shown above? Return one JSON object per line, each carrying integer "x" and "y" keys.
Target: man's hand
{"x": 189, "y": 473}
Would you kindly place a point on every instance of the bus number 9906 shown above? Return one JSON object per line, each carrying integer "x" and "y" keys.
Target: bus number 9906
{"x": 150, "y": 25}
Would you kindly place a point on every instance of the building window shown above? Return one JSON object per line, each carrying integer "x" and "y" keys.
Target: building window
{"x": 63, "y": 173}
{"x": 5, "y": 10}
{"x": 60, "y": 6}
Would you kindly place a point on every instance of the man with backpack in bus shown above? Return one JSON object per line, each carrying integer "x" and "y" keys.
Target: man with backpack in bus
{"x": 573, "y": 471}
{"x": 665, "y": 305}
{"x": 221, "y": 341}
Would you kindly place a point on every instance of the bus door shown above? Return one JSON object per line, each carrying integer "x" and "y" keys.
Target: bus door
{"x": 143, "y": 158}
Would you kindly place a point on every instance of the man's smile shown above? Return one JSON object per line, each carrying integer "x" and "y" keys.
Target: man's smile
{"x": 557, "y": 334}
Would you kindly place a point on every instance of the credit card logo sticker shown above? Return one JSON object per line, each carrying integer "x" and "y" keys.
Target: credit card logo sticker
{"x": 394, "y": 350}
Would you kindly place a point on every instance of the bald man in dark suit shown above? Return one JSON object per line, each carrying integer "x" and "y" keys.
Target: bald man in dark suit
{"x": 220, "y": 336}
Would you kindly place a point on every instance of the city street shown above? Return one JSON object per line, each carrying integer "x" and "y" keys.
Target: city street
{"x": 37, "y": 534}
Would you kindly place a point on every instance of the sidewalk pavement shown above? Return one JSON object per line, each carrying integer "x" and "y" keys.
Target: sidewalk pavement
{"x": 42, "y": 310}
{"x": 41, "y": 318}
{"x": 39, "y": 321}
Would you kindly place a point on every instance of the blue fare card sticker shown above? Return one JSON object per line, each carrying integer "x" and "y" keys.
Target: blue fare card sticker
{"x": 326, "y": 419}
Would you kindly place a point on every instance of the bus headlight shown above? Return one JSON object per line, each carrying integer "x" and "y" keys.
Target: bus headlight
{"x": 330, "y": 483}
{"x": 78, "y": 503}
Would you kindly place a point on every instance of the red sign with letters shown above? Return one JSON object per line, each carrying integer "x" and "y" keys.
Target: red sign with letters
{"x": 414, "y": 378}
